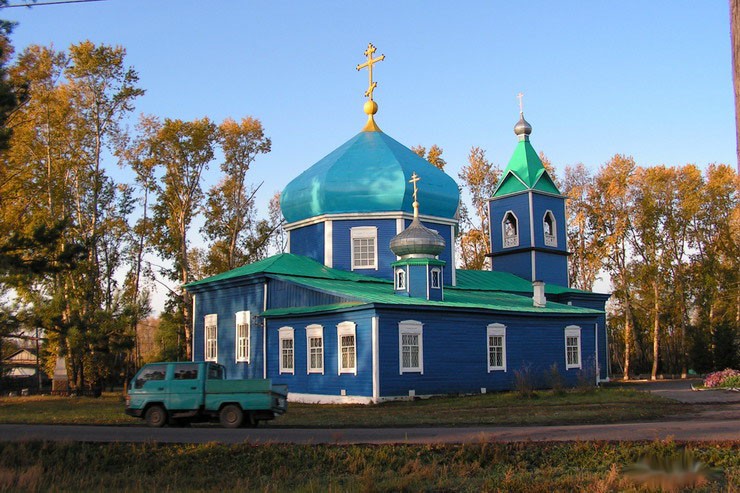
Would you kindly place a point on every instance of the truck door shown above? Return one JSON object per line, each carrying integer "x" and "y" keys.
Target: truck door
{"x": 186, "y": 387}
{"x": 151, "y": 383}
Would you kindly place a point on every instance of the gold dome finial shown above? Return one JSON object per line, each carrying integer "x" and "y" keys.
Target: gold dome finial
{"x": 414, "y": 179}
{"x": 371, "y": 107}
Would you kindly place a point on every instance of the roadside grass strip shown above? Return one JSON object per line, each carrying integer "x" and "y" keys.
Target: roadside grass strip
{"x": 480, "y": 467}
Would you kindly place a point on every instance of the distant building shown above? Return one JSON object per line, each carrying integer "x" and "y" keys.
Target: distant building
{"x": 368, "y": 304}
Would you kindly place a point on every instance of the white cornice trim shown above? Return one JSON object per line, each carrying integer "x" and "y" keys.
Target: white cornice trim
{"x": 367, "y": 215}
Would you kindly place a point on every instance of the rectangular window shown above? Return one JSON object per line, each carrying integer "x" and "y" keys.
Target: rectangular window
{"x": 286, "y": 350}
{"x": 411, "y": 347}
{"x": 572, "y": 347}
{"x": 496, "y": 347}
{"x": 242, "y": 336}
{"x": 315, "y": 345}
{"x": 364, "y": 247}
{"x": 211, "y": 337}
{"x": 346, "y": 338}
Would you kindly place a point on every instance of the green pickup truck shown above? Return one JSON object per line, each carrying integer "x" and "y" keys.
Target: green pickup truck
{"x": 183, "y": 393}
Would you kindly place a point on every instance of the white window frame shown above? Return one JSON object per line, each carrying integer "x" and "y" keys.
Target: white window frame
{"x": 285, "y": 334}
{"x": 210, "y": 337}
{"x": 242, "y": 342}
{"x": 496, "y": 330}
{"x": 411, "y": 328}
{"x": 314, "y": 332}
{"x": 401, "y": 275}
{"x": 346, "y": 329}
{"x": 551, "y": 240}
{"x": 364, "y": 233}
{"x": 438, "y": 271}
{"x": 514, "y": 242}
{"x": 573, "y": 331}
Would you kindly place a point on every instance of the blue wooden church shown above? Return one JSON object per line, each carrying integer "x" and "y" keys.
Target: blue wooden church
{"x": 368, "y": 305}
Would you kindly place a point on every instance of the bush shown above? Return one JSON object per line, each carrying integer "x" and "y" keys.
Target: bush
{"x": 524, "y": 382}
{"x": 720, "y": 378}
{"x": 555, "y": 380}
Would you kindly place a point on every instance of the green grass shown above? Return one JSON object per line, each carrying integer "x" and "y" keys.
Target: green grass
{"x": 530, "y": 467}
{"x": 605, "y": 405}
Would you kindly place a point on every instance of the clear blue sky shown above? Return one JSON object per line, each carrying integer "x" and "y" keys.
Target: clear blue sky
{"x": 647, "y": 79}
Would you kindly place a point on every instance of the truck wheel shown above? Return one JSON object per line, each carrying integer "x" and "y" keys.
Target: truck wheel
{"x": 231, "y": 416}
{"x": 156, "y": 416}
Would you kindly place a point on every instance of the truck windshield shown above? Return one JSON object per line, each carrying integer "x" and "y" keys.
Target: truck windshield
{"x": 215, "y": 372}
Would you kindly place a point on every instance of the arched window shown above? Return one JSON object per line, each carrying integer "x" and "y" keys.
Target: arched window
{"x": 510, "y": 230}
{"x": 550, "y": 230}
{"x": 400, "y": 278}
{"x": 436, "y": 275}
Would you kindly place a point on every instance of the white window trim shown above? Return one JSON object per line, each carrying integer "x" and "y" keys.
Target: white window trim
{"x": 346, "y": 329}
{"x": 573, "y": 331}
{"x": 494, "y": 330}
{"x": 410, "y": 327}
{"x": 551, "y": 240}
{"x": 439, "y": 278}
{"x": 243, "y": 318}
{"x": 364, "y": 232}
{"x": 399, "y": 286}
{"x": 503, "y": 230}
{"x": 314, "y": 331}
{"x": 210, "y": 345}
{"x": 283, "y": 334}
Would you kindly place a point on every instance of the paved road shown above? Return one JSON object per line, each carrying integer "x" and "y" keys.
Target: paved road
{"x": 707, "y": 430}
{"x": 717, "y": 422}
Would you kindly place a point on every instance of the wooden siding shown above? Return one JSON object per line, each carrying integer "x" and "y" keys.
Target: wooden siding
{"x": 225, "y": 303}
{"x": 308, "y": 241}
{"x": 343, "y": 244}
{"x": 283, "y": 294}
{"x": 455, "y": 352}
{"x": 330, "y": 383}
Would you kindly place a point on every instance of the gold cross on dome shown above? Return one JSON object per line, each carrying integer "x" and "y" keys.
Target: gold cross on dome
{"x": 521, "y": 103}
{"x": 369, "y": 64}
{"x": 414, "y": 179}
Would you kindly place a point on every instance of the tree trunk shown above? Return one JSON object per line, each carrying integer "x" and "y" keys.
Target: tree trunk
{"x": 656, "y": 332}
{"x": 627, "y": 338}
{"x": 735, "y": 41}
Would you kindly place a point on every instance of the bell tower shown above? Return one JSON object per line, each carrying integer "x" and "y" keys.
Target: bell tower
{"x": 527, "y": 214}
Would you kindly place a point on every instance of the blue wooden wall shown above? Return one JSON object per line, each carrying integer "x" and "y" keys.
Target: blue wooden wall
{"x": 456, "y": 349}
{"x": 330, "y": 383}
{"x": 308, "y": 241}
{"x": 342, "y": 253}
{"x": 225, "y": 302}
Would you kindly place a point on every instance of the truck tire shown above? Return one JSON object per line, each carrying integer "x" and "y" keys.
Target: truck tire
{"x": 155, "y": 416}
{"x": 231, "y": 416}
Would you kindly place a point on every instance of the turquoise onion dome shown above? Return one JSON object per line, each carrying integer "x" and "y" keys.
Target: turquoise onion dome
{"x": 368, "y": 174}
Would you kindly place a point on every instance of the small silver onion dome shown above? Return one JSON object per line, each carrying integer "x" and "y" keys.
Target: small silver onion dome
{"x": 522, "y": 127}
{"x": 417, "y": 241}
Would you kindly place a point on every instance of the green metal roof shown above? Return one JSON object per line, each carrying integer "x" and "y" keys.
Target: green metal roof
{"x": 382, "y": 293}
{"x": 525, "y": 171}
{"x": 369, "y": 173}
{"x": 503, "y": 281}
{"x": 284, "y": 263}
{"x": 476, "y": 290}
